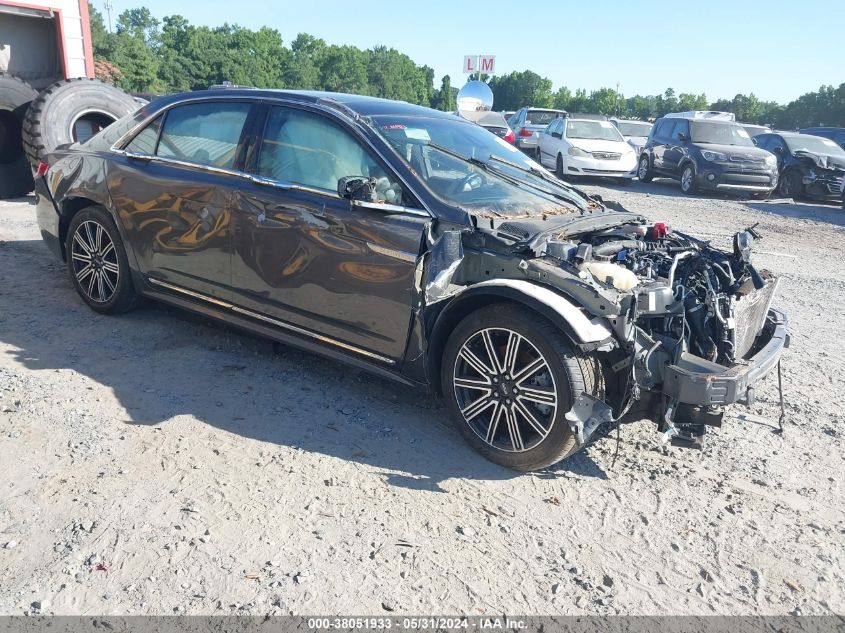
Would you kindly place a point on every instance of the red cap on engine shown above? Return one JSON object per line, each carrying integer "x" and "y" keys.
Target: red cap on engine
{"x": 658, "y": 231}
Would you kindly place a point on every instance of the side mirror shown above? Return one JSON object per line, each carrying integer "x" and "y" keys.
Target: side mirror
{"x": 778, "y": 149}
{"x": 682, "y": 137}
{"x": 357, "y": 188}
{"x": 557, "y": 134}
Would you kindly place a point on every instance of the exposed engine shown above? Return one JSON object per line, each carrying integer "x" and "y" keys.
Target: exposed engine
{"x": 689, "y": 296}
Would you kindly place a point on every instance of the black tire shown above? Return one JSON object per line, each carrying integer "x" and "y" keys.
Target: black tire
{"x": 54, "y": 118}
{"x": 566, "y": 373}
{"x": 538, "y": 155}
{"x": 559, "y": 167}
{"x": 15, "y": 172}
{"x": 114, "y": 265}
{"x": 688, "y": 179}
{"x": 790, "y": 185}
{"x": 644, "y": 172}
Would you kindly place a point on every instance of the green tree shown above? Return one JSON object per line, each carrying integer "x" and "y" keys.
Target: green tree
{"x": 445, "y": 97}
{"x": 561, "y": 98}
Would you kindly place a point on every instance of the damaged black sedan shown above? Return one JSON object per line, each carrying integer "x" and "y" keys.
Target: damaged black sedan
{"x": 808, "y": 166}
{"x": 416, "y": 245}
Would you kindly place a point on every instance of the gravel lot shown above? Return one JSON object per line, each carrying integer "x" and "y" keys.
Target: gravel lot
{"x": 156, "y": 463}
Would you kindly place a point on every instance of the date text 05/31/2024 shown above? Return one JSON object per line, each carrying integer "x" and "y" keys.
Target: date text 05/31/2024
{"x": 416, "y": 623}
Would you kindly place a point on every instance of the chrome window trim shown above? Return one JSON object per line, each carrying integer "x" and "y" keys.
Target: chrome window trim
{"x": 263, "y": 317}
{"x": 118, "y": 147}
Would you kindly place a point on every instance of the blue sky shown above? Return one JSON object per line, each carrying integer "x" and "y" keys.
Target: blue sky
{"x": 777, "y": 49}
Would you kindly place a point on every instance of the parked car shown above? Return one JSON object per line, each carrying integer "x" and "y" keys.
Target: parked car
{"x": 492, "y": 122}
{"x": 707, "y": 153}
{"x": 836, "y": 134}
{"x": 527, "y": 123}
{"x": 808, "y": 165}
{"x": 416, "y": 245}
{"x": 755, "y": 130}
{"x": 586, "y": 146}
{"x": 635, "y": 132}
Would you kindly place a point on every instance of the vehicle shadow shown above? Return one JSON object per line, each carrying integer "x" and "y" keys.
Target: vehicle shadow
{"x": 161, "y": 362}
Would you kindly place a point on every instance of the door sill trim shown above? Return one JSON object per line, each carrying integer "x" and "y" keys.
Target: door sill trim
{"x": 267, "y": 319}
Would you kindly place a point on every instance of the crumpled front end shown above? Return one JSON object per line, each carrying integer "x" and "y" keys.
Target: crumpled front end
{"x": 681, "y": 329}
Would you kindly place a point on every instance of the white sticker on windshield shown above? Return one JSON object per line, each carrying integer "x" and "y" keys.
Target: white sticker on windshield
{"x": 418, "y": 133}
{"x": 605, "y": 124}
{"x": 742, "y": 132}
{"x": 506, "y": 145}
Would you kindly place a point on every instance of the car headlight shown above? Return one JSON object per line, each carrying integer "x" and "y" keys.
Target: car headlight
{"x": 716, "y": 157}
{"x": 577, "y": 151}
{"x": 772, "y": 160}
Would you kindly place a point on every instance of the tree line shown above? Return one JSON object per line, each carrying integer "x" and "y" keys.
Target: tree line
{"x": 148, "y": 55}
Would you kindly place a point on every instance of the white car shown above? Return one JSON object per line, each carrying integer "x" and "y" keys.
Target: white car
{"x": 576, "y": 147}
{"x": 635, "y": 132}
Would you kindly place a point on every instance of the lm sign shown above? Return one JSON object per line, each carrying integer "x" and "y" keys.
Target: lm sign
{"x": 480, "y": 63}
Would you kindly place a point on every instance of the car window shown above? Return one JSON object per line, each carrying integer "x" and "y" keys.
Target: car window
{"x": 145, "y": 141}
{"x": 541, "y": 117}
{"x": 762, "y": 141}
{"x": 663, "y": 128}
{"x": 112, "y": 134}
{"x": 309, "y": 149}
{"x": 204, "y": 133}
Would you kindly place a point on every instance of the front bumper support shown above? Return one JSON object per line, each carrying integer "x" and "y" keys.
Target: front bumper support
{"x": 695, "y": 381}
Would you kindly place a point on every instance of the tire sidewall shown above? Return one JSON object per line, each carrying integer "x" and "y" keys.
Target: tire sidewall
{"x": 125, "y": 291}
{"x": 561, "y": 435}
{"x": 644, "y": 174}
{"x": 691, "y": 169}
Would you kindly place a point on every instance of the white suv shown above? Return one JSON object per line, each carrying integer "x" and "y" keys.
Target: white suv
{"x": 586, "y": 146}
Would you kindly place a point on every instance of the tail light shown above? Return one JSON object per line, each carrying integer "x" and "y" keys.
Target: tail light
{"x": 510, "y": 137}
{"x": 525, "y": 132}
{"x": 42, "y": 169}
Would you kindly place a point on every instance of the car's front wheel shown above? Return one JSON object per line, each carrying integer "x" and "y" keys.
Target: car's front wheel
{"x": 97, "y": 262}
{"x": 644, "y": 170}
{"x": 688, "y": 179}
{"x": 509, "y": 379}
{"x": 559, "y": 167}
{"x": 790, "y": 185}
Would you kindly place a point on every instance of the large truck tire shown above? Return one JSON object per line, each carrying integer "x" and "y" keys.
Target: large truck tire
{"x": 15, "y": 172}
{"x": 72, "y": 110}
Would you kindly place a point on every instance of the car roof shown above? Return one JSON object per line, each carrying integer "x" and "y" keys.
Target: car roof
{"x": 360, "y": 104}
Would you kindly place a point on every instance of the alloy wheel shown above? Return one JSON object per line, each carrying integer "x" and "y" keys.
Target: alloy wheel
{"x": 95, "y": 263}
{"x": 686, "y": 179}
{"x": 643, "y": 170}
{"x": 505, "y": 389}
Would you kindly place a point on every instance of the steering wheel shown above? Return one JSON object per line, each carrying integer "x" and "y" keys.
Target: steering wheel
{"x": 474, "y": 181}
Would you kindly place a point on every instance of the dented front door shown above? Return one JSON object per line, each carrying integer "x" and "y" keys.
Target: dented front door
{"x": 319, "y": 262}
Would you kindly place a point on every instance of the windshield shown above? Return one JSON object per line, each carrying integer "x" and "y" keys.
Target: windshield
{"x": 541, "y": 117}
{"x": 634, "y": 128}
{"x": 815, "y": 144}
{"x": 719, "y": 133}
{"x": 599, "y": 130}
{"x": 499, "y": 187}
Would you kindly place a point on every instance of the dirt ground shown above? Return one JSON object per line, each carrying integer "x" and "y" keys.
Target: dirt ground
{"x": 156, "y": 463}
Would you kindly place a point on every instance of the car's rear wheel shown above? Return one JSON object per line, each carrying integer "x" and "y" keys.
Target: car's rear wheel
{"x": 97, "y": 262}
{"x": 559, "y": 167}
{"x": 644, "y": 170}
{"x": 790, "y": 185}
{"x": 538, "y": 155}
{"x": 688, "y": 179}
{"x": 509, "y": 381}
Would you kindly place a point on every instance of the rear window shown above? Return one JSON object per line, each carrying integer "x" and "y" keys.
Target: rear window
{"x": 204, "y": 133}
{"x": 541, "y": 117}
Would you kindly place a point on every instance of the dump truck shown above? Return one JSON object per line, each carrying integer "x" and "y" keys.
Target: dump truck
{"x": 48, "y": 93}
